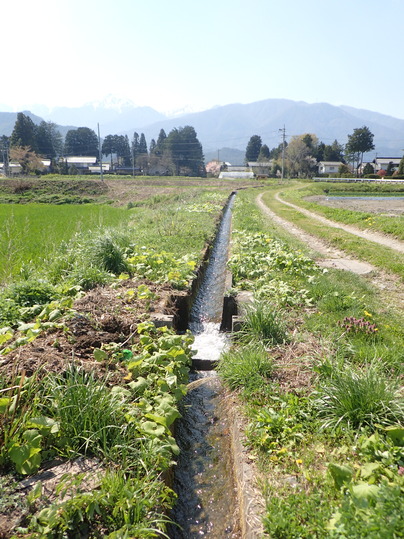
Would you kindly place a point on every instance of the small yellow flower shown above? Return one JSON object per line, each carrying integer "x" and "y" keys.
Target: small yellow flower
{"x": 368, "y": 314}
{"x": 299, "y": 461}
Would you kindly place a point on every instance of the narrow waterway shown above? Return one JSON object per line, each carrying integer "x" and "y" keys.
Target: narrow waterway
{"x": 203, "y": 478}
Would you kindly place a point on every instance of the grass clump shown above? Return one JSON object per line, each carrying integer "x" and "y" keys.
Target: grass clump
{"x": 248, "y": 367}
{"x": 263, "y": 323}
{"x": 357, "y": 398}
{"x": 91, "y": 415}
{"x": 107, "y": 254}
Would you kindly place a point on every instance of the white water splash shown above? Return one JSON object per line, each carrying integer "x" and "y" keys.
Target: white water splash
{"x": 209, "y": 341}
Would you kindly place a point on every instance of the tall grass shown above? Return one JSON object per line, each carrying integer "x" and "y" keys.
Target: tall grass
{"x": 357, "y": 398}
{"x": 247, "y": 367}
{"x": 263, "y": 323}
{"x": 91, "y": 416}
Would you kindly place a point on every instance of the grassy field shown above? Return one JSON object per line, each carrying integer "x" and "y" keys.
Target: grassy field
{"x": 32, "y": 233}
{"x": 317, "y": 368}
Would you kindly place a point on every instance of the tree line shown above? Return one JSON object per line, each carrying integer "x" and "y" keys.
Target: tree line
{"x": 301, "y": 155}
{"x": 178, "y": 153}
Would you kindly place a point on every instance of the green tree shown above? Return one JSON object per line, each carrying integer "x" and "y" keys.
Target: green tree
{"x": 253, "y": 148}
{"x": 135, "y": 147}
{"x": 4, "y": 153}
{"x": 24, "y": 132}
{"x": 334, "y": 152}
{"x": 264, "y": 154}
{"x": 185, "y": 151}
{"x": 368, "y": 169}
{"x": 159, "y": 150}
{"x": 126, "y": 153}
{"x": 49, "y": 140}
{"x": 81, "y": 141}
{"x": 390, "y": 169}
{"x": 297, "y": 155}
{"x": 360, "y": 142}
{"x": 401, "y": 167}
{"x": 142, "y": 150}
{"x": 109, "y": 147}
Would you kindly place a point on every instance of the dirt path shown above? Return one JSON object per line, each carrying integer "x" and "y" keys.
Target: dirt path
{"x": 390, "y": 286}
{"x": 397, "y": 245}
{"x": 332, "y": 257}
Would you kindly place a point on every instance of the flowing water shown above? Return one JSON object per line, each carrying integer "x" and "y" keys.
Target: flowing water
{"x": 203, "y": 477}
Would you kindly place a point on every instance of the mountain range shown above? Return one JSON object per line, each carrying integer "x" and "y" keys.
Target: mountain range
{"x": 224, "y": 131}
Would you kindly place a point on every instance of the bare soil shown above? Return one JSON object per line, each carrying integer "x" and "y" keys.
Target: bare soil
{"x": 102, "y": 316}
{"x": 385, "y": 206}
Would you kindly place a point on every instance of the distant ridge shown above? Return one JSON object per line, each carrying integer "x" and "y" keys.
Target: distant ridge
{"x": 229, "y": 127}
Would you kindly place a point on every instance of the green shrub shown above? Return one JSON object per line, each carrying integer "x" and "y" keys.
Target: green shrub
{"x": 9, "y": 312}
{"x": 88, "y": 277}
{"x": 29, "y": 293}
{"x": 298, "y": 515}
{"x": 379, "y": 514}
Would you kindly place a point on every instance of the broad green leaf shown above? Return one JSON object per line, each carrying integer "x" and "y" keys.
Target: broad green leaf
{"x": 139, "y": 385}
{"x": 396, "y": 434}
{"x": 368, "y": 469}
{"x": 173, "y": 445}
{"x": 100, "y": 355}
{"x": 44, "y": 423}
{"x": 341, "y": 474}
{"x": 152, "y": 428}
{"x": 25, "y": 327}
{"x": 4, "y": 404}
{"x": 55, "y": 314}
{"x": 4, "y": 337}
{"x": 161, "y": 420}
{"x": 364, "y": 490}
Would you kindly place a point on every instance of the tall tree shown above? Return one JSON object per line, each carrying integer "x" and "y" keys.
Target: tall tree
{"x": 142, "y": 150}
{"x": 49, "y": 140}
{"x": 264, "y": 154}
{"x": 109, "y": 147}
{"x": 253, "y": 148}
{"x": 81, "y": 141}
{"x": 298, "y": 157}
{"x": 360, "y": 142}
{"x": 159, "y": 150}
{"x": 401, "y": 167}
{"x": 135, "y": 147}
{"x": 24, "y": 132}
{"x": 126, "y": 152}
{"x": 333, "y": 152}
{"x": 185, "y": 151}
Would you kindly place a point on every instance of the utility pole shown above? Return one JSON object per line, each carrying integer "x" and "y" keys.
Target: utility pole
{"x": 6, "y": 159}
{"x": 100, "y": 153}
{"x": 283, "y": 131}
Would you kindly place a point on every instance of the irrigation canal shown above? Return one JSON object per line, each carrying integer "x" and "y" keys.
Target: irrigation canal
{"x": 204, "y": 478}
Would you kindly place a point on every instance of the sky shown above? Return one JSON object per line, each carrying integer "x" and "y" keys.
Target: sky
{"x": 198, "y": 54}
